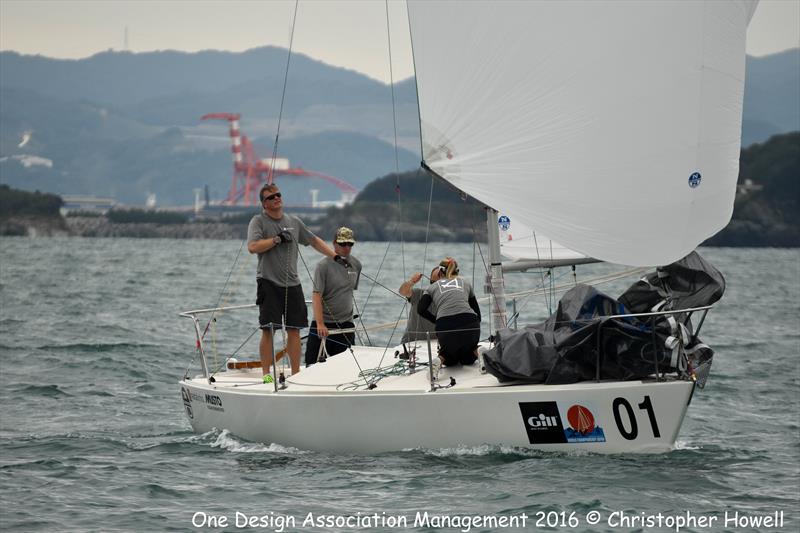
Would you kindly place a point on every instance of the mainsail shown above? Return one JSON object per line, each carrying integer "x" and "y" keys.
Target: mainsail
{"x": 612, "y": 127}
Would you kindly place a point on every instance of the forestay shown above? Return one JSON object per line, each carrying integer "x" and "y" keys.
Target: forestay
{"x": 612, "y": 127}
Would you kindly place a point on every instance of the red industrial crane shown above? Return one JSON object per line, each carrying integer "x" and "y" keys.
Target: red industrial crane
{"x": 250, "y": 173}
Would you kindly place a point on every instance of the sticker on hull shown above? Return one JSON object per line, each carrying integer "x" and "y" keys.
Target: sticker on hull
{"x": 187, "y": 402}
{"x": 211, "y": 401}
{"x": 582, "y": 427}
{"x": 550, "y": 423}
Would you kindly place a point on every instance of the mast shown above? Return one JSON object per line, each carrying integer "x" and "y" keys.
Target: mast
{"x": 495, "y": 285}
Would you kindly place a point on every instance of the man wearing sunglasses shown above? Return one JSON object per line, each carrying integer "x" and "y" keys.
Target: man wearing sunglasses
{"x": 274, "y": 236}
{"x": 334, "y": 282}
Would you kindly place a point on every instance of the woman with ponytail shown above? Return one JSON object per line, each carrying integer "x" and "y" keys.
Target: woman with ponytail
{"x": 455, "y": 312}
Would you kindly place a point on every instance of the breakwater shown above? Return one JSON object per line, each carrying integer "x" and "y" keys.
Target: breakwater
{"x": 33, "y": 226}
{"x": 101, "y": 226}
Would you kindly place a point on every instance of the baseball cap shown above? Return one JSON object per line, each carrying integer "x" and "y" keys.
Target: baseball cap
{"x": 344, "y": 234}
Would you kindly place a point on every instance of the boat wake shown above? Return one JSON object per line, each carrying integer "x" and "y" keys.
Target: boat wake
{"x": 684, "y": 445}
{"x": 225, "y": 440}
{"x": 489, "y": 450}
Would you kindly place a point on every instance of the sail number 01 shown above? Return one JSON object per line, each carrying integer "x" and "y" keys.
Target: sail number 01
{"x": 621, "y": 405}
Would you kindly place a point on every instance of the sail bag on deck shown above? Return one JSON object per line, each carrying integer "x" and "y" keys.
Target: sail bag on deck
{"x": 577, "y": 340}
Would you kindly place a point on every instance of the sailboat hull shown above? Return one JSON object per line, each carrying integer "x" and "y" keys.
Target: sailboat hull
{"x": 601, "y": 417}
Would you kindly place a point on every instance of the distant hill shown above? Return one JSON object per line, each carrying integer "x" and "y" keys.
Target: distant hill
{"x": 126, "y": 125}
{"x": 767, "y": 210}
{"x": 376, "y": 216}
{"x": 170, "y": 88}
{"x": 30, "y": 213}
{"x": 170, "y": 165}
{"x": 15, "y": 202}
{"x": 771, "y": 96}
{"x": 124, "y": 78}
{"x": 53, "y": 121}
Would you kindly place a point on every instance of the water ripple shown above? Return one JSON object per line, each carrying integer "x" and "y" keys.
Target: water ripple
{"x": 93, "y": 436}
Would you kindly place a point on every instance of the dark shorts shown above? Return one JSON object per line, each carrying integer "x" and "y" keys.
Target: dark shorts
{"x": 333, "y": 343}
{"x": 458, "y": 337}
{"x": 274, "y": 302}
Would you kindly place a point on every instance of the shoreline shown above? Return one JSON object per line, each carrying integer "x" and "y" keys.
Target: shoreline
{"x": 101, "y": 227}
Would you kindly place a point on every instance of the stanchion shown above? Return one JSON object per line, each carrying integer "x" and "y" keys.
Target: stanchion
{"x": 430, "y": 360}
{"x": 272, "y": 354}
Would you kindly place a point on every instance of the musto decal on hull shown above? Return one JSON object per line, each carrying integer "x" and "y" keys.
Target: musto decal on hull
{"x": 211, "y": 401}
{"x": 546, "y": 423}
{"x": 214, "y": 402}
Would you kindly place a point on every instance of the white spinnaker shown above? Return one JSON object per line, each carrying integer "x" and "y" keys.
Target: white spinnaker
{"x": 585, "y": 120}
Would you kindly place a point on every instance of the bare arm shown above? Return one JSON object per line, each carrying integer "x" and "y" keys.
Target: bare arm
{"x": 316, "y": 302}
{"x": 262, "y": 245}
{"x": 320, "y": 246}
{"x": 405, "y": 288}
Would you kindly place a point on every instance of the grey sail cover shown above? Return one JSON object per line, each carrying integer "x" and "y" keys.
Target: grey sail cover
{"x": 578, "y": 338}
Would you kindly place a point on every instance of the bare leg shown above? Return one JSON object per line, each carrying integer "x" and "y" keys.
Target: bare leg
{"x": 293, "y": 347}
{"x": 265, "y": 350}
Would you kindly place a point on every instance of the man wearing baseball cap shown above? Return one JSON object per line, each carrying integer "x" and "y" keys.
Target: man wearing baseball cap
{"x": 335, "y": 279}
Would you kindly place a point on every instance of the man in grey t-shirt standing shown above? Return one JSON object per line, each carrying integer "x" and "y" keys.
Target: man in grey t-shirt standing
{"x": 274, "y": 236}
{"x": 334, "y": 282}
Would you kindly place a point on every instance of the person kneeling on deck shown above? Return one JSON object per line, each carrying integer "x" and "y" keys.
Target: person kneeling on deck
{"x": 274, "y": 236}
{"x": 335, "y": 279}
{"x": 457, "y": 317}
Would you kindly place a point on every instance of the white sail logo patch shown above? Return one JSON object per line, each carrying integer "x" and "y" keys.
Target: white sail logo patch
{"x": 694, "y": 180}
{"x": 451, "y": 285}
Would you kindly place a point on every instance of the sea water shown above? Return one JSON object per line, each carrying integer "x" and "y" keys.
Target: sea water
{"x": 93, "y": 434}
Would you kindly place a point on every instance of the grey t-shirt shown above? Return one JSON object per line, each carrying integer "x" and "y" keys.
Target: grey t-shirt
{"x": 417, "y": 326}
{"x": 279, "y": 264}
{"x": 336, "y": 284}
{"x": 450, "y": 297}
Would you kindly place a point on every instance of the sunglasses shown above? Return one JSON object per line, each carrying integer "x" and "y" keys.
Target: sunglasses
{"x": 271, "y": 197}
{"x": 346, "y": 244}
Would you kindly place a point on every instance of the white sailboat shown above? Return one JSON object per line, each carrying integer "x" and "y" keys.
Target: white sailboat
{"x": 612, "y": 127}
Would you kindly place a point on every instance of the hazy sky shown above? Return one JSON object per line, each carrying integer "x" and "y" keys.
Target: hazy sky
{"x": 347, "y": 33}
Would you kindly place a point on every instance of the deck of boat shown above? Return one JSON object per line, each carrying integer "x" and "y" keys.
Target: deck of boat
{"x": 352, "y": 371}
